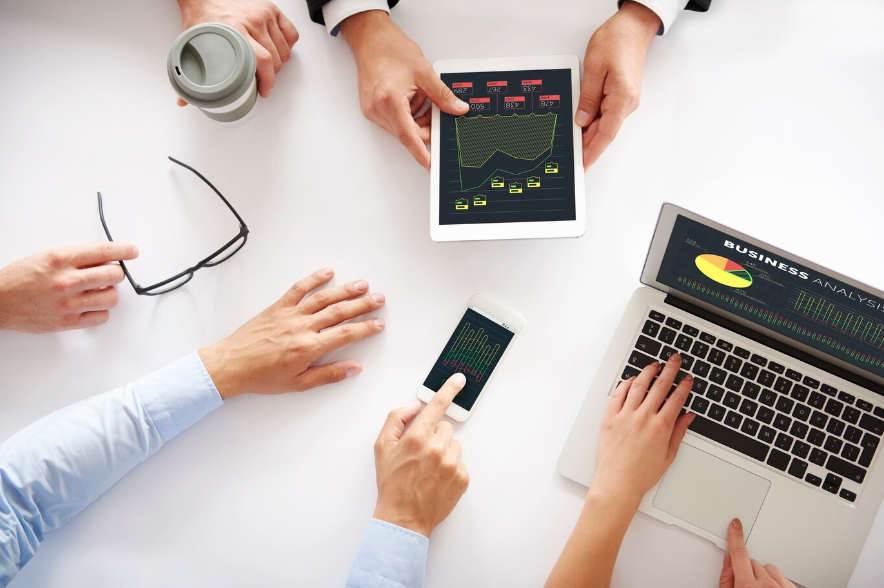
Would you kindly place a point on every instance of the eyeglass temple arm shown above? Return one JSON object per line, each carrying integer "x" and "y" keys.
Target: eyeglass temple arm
{"x": 212, "y": 186}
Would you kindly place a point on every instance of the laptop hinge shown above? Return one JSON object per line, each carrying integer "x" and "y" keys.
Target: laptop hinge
{"x": 801, "y": 356}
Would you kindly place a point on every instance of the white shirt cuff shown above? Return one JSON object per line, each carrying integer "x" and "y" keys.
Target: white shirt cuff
{"x": 336, "y": 11}
{"x": 667, "y": 10}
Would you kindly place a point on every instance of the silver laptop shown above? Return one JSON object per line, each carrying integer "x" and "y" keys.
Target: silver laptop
{"x": 788, "y": 366}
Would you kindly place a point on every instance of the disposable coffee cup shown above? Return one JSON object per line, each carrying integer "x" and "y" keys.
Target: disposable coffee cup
{"x": 212, "y": 66}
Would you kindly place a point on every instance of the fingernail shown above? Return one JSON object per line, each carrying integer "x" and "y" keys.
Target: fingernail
{"x": 414, "y": 406}
{"x": 581, "y": 118}
{"x": 361, "y": 286}
{"x": 328, "y": 271}
{"x": 378, "y": 297}
{"x": 353, "y": 371}
{"x": 461, "y": 104}
{"x": 379, "y": 323}
{"x": 737, "y": 524}
{"x": 689, "y": 378}
{"x": 135, "y": 250}
{"x": 676, "y": 357}
{"x": 459, "y": 379}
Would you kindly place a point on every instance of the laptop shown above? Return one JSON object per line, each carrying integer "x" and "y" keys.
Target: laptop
{"x": 788, "y": 366}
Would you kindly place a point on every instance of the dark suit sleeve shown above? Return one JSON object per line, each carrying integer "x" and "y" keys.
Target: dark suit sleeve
{"x": 698, "y": 5}
{"x": 315, "y": 8}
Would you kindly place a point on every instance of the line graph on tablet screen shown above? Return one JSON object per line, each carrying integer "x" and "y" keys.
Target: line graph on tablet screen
{"x": 510, "y": 159}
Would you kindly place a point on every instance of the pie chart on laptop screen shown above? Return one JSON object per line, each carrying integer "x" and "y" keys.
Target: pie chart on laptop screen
{"x": 723, "y": 270}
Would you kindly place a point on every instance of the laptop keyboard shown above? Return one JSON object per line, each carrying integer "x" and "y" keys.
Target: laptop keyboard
{"x": 769, "y": 412}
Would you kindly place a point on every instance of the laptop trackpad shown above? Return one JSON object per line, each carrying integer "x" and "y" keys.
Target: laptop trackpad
{"x": 709, "y": 492}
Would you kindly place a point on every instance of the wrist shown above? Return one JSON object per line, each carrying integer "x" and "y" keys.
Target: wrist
{"x": 360, "y": 26}
{"x": 401, "y": 519}
{"x": 643, "y": 18}
{"x": 217, "y": 365}
{"x": 620, "y": 503}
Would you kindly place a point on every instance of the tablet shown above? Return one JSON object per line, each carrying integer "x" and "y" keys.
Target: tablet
{"x": 512, "y": 167}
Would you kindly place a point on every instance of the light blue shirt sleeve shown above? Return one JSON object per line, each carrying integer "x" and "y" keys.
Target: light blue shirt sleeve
{"x": 390, "y": 557}
{"x": 53, "y": 469}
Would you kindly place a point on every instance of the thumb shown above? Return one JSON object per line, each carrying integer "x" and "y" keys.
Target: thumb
{"x": 726, "y": 579}
{"x": 678, "y": 433}
{"x": 441, "y": 95}
{"x": 181, "y": 102}
{"x": 590, "y": 93}
{"x": 330, "y": 373}
{"x": 397, "y": 420}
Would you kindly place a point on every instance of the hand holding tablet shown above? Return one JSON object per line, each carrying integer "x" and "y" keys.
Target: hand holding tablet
{"x": 512, "y": 167}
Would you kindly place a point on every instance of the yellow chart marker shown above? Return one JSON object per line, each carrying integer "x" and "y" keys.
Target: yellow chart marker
{"x": 551, "y": 168}
{"x": 534, "y": 182}
{"x": 515, "y": 188}
{"x": 497, "y": 182}
{"x": 480, "y": 200}
{"x": 461, "y": 204}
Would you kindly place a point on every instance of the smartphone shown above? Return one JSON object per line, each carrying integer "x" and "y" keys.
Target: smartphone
{"x": 476, "y": 347}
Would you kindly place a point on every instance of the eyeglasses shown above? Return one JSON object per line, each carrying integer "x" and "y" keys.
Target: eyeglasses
{"x": 221, "y": 255}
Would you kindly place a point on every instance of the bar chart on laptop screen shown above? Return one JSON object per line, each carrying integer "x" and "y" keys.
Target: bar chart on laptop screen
{"x": 776, "y": 293}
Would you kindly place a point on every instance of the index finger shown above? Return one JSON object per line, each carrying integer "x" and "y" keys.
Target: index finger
{"x": 609, "y": 125}
{"x": 740, "y": 560}
{"x": 98, "y": 253}
{"x": 408, "y": 132}
{"x": 442, "y": 400}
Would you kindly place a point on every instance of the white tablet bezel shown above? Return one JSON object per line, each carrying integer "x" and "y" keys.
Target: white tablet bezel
{"x": 537, "y": 230}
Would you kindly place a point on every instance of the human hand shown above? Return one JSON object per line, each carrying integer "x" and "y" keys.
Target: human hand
{"x": 62, "y": 289}
{"x": 739, "y": 571}
{"x": 612, "y": 76}
{"x": 270, "y": 33}
{"x": 420, "y": 474}
{"x": 274, "y": 352}
{"x": 395, "y": 80}
{"x": 641, "y": 433}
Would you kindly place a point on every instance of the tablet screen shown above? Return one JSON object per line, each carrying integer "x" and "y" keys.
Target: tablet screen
{"x": 510, "y": 159}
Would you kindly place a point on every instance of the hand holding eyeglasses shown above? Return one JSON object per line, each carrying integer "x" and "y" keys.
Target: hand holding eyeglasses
{"x": 274, "y": 352}
{"x": 62, "y": 289}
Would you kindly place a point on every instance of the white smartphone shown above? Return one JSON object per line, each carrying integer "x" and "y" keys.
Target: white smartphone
{"x": 479, "y": 342}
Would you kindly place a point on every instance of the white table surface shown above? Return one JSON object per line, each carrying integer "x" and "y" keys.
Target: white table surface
{"x": 765, "y": 116}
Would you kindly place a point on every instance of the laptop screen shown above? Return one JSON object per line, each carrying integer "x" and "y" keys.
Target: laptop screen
{"x": 776, "y": 293}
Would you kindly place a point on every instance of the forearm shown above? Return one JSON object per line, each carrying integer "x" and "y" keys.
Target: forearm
{"x": 53, "y": 469}
{"x": 591, "y": 552}
{"x": 361, "y": 26}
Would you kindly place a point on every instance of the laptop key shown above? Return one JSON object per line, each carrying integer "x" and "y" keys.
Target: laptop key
{"x": 818, "y": 419}
{"x": 767, "y": 397}
{"x": 733, "y": 363}
{"x": 872, "y": 425}
{"x": 767, "y": 434}
{"x": 785, "y": 404}
{"x": 758, "y": 360}
{"x": 801, "y": 412}
{"x": 734, "y": 383}
{"x": 683, "y": 342}
{"x": 846, "y": 398}
{"x": 649, "y": 346}
{"x": 733, "y": 419}
{"x": 864, "y": 404}
{"x": 750, "y": 427}
{"x": 778, "y": 459}
{"x": 707, "y": 338}
{"x": 846, "y": 469}
{"x": 640, "y": 360}
{"x": 667, "y": 335}
{"x": 699, "y": 385}
{"x": 828, "y": 390}
{"x": 671, "y": 322}
{"x": 833, "y": 407}
{"x": 716, "y": 412}
{"x": 766, "y": 378}
{"x": 699, "y": 405}
{"x": 850, "y": 414}
{"x": 751, "y": 390}
{"x": 782, "y": 422}
{"x": 748, "y": 408}
{"x": 765, "y": 415}
{"x": 808, "y": 381}
{"x": 692, "y": 331}
{"x": 879, "y": 411}
{"x": 656, "y": 316}
{"x": 832, "y": 483}
{"x": 731, "y": 400}
{"x": 782, "y": 385}
{"x": 797, "y": 468}
{"x": 699, "y": 349}
{"x": 811, "y": 479}
{"x": 818, "y": 456}
{"x": 847, "y": 495}
{"x": 833, "y": 444}
{"x": 776, "y": 367}
{"x": 850, "y": 452}
{"x": 816, "y": 437}
{"x": 740, "y": 352}
{"x": 800, "y": 449}
{"x": 798, "y": 430}
{"x": 853, "y": 434}
{"x": 783, "y": 442}
{"x": 869, "y": 445}
{"x": 716, "y": 356}
{"x": 717, "y": 375}
{"x": 715, "y": 393}
{"x": 651, "y": 328}
{"x": 835, "y": 427}
{"x": 701, "y": 368}
{"x": 729, "y": 438}
{"x": 817, "y": 400}
{"x": 749, "y": 371}
{"x": 629, "y": 372}
{"x": 722, "y": 344}
{"x": 799, "y": 393}
{"x": 793, "y": 375}
{"x": 667, "y": 353}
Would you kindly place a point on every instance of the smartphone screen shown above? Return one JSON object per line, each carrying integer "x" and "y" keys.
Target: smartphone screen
{"x": 474, "y": 349}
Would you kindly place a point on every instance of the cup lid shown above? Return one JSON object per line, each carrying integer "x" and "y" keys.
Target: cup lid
{"x": 211, "y": 65}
